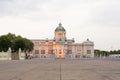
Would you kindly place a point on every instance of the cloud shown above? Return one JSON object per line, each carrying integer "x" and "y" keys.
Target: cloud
{"x": 106, "y": 13}
{"x": 101, "y": 12}
{"x": 94, "y": 19}
{"x": 16, "y": 7}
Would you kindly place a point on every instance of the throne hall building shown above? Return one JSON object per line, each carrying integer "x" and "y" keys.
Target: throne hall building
{"x": 61, "y": 47}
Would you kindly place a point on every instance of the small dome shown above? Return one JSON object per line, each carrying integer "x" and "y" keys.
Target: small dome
{"x": 87, "y": 41}
{"x": 60, "y": 28}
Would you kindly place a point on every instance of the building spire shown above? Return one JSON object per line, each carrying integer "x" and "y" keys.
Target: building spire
{"x": 87, "y": 39}
{"x": 60, "y": 24}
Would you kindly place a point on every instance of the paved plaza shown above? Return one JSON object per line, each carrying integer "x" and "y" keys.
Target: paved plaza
{"x": 60, "y": 69}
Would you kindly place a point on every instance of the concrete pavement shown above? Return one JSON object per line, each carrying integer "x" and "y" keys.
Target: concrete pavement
{"x": 60, "y": 69}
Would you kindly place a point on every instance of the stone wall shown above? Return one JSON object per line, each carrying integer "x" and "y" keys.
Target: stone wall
{"x": 12, "y": 56}
{"x": 6, "y": 55}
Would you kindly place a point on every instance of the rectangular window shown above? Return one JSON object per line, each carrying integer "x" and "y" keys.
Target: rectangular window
{"x": 42, "y": 51}
{"x": 88, "y": 51}
{"x": 60, "y": 52}
{"x": 36, "y": 51}
{"x": 50, "y": 51}
{"x": 69, "y": 51}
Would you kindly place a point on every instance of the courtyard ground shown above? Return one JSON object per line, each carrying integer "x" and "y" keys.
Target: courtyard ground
{"x": 60, "y": 69}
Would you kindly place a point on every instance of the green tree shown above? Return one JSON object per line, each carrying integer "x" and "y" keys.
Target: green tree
{"x": 4, "y": 43}
{"x": 97, "y": 53}
{"x": 23, "y": 43}
{"x": 15, "y": 42}
{"x": 28, "y": 45}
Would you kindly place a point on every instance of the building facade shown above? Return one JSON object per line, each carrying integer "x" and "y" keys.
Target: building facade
{"x": 61, "y": 47}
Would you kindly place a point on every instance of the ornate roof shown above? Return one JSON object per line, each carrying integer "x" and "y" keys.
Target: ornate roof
{"x": 88, "y": 42}
{"x": 60, "y": 28}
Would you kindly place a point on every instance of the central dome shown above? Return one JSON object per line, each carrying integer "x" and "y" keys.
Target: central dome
{"x": 60, "y": 28}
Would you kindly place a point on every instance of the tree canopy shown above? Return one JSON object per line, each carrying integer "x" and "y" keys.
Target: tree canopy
{"x": 15, "y": 42}
{"x": 99, "y": 53}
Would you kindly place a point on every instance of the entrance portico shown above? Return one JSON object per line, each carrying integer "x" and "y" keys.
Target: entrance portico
{"x": 59, "y": 52}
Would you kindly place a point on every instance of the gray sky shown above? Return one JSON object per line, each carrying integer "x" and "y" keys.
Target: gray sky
{"x": 98, "y": 20}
